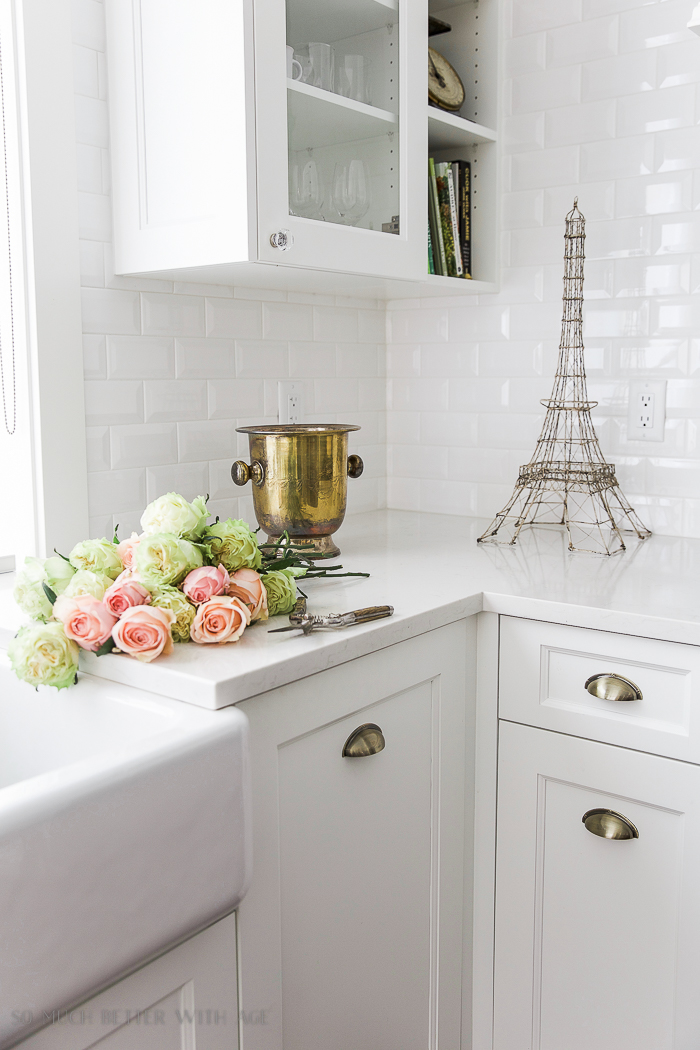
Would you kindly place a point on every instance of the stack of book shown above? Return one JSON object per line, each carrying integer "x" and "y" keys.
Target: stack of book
{"x": 449, "y": 234}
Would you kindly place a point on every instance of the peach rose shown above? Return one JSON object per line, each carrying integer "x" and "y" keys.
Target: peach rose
{"x": 202, "y": 584}
{"x": 127, "y": 550}
{"x": 85, "y": 620}
{"x": 144, "y": 632}
{"x": 247, "y": 585}
{"x": 125, "y": 594}
{"x": 221, "y": 619}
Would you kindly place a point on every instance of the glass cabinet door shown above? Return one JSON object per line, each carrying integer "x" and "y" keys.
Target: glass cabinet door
{"x": 341, "y": 134}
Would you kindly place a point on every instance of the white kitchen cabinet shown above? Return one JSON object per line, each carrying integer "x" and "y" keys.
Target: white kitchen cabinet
{"x": 185, "y": 998}
{"x": 597, "y": 940}
{"x": 211, "y": 140}
{"x": 351, "y": 934}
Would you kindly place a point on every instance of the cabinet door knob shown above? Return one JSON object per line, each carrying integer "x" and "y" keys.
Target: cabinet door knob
{"x": 613, "y": 687}
{"x": 241, "y": 473}
{"x": 365, "y": 740}
{"x": 282, "y": 239}
{"x": 355, "y": 466}
{"x": 608, "y": 824}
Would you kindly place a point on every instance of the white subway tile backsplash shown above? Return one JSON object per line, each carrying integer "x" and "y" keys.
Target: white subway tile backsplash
{"x": 235, "y": 319}
{"x": 205, "y": 358}
{"x": 206, "y": 439}
{"x": 140, "y": 357}
{"x": 94, "y": 357}
{"x": 89, "y": 163}
{"x": 529, "y": 18}
{"x": 585, "y": 122}
{"x": 113, "y": 491}
{"x": 353, "y": 359}
{"x": 535, "y": 92}
{"x": 329, "y": 321}
{"x": 167, "y": 314}
{"x": 582, "y": 42}
{"x": 546, "y": 167}
{"x": 170, "y": 400}
{"x": 189, "y": 479}
{"x": 287, "y": 321}
{"x": 92, "y": 273}
{"x": 88, "y": 24}
{"x": 113, "y": 401}
{"x": 654, "y": 25}
{"x": 229, "y": 398}
{"x": 261, "y": 357}
{"x": 656, "y": 111}
{"x": 311, "y": 360}
{"x": 98, "y": 448}
{"x": 143, "y": 445}
{"x": 108, "y": 311}
{"x": 525, "y": 54}
{"x": 91, "y": 121}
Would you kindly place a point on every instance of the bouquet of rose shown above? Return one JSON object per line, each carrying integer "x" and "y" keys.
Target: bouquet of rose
{"x": 181, "y": 580}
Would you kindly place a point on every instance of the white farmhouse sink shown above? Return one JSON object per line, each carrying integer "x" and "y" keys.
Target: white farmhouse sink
{"x": 124, "y": 827}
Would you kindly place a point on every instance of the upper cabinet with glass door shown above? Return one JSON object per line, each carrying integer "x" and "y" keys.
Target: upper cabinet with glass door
{"x": 281, "y": 143}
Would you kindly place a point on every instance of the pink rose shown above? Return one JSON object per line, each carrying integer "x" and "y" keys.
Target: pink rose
{"x": 144, "y": 632}
{"x": 221, "y": 619}
{"x": 85, "y": 620}
{"x": 127, "y": 550}
{"x": 125, "y": 594}
{"x": 202, "y": 584}
{"x": 247, "y": 585}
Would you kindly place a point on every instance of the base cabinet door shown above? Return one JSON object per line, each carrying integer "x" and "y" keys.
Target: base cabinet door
{"x": 597, "y": 939}
{"x": 184, "y": 999}
{"x": 351, "y": 932}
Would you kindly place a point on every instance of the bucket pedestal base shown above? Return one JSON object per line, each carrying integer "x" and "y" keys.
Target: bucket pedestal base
{"x": 314, "y": 546}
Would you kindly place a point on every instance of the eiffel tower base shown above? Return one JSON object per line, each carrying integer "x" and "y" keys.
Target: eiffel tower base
{"x": 593, "y": 511}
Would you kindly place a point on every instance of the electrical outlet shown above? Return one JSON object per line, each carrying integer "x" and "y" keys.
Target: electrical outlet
{"x": 646, "y": 411}
{"x": 290, "y": 400}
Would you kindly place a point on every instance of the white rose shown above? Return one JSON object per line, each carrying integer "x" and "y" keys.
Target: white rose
{"x": 86, "y": 582}
{"x": 172, "y": 513}
{"x": 29, "y": 591}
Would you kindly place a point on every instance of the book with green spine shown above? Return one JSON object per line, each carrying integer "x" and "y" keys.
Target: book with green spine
{"x": 431, "y": 262}
{"x": 446, "y": 219}
{"x": 465, "y": 239}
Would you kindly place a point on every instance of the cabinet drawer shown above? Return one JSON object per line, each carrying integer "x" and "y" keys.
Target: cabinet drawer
{"x": 544, "y": 669}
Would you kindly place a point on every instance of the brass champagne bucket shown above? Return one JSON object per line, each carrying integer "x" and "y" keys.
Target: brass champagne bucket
{"x": 300, "y": 480}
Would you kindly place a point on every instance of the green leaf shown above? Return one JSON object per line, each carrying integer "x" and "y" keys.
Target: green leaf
{"x": 115, "y": 541}
{"x": 51, "y": 595}
{"x": 61, "y": 555}
{"x": 106, "y": 647}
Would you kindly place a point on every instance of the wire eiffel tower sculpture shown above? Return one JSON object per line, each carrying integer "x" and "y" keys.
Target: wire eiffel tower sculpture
{"x": 567, "y": 482}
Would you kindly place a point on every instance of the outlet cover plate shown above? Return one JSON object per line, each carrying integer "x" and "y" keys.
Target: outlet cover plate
{"x": 290, "y": 401}
{"x": 646, "y": 410}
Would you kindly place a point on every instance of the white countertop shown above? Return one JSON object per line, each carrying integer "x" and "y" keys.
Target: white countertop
{"x": 430, "y": 568}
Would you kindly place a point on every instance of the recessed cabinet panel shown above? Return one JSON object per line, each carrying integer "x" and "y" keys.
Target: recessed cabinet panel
{"x": 545, "y": 668}
{"x": 596, "y": 938}
{"x": 340, "y": 848}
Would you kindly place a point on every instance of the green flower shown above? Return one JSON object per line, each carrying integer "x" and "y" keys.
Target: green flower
{"x": 29, "y": 592}
{"x": 41, "y": 654}
{"x": 174, "y": 600}
{"x": 172, "y": 513}
{"x": 163, "y": 559}
{"x": 281, "y": 591}
{"x": 97, "y": 556}
{"x": 231, "y": 543}
{"x": 58, "y": 574}
{"x": 86, "y": 582}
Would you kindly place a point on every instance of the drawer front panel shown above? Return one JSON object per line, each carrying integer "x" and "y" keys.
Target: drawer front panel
{"x": 544, "y": 669}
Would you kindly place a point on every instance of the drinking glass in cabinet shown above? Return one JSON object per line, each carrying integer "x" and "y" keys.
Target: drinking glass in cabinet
{"x": 352, "y": 78}
{"x": 352, "y": 195}
{"x": 305, "y": 188}
{"x": 317, "y": 65}
{"x": 294, "y": 70}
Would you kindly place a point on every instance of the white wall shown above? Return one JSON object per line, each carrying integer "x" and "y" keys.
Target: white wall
{"x": 172, "y": 370}
{"x": 600, "y": 99}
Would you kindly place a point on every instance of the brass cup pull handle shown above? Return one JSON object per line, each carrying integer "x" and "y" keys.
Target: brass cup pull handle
{"x": 355, "y": 466}
{"x": 365, "y": 740}
{"x": 613, "y": 687}
{"x": 608, "y": 824}
{"x": 241, "y": 473}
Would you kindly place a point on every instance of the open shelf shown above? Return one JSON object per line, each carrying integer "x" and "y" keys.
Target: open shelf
{"x": 438, "y": 284}
{"x": 448, "y": 131}
{"x": 322, "y": 118}
{"x": 339, "y": 20}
